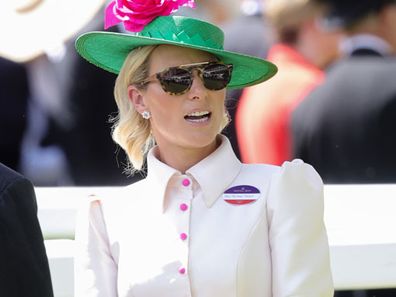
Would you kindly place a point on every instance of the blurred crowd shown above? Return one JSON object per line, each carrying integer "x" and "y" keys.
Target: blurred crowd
{"x": 331, "y": 104}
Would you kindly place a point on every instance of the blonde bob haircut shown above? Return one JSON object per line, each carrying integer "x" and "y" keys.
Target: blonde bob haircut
{"x": 130, "y": 130}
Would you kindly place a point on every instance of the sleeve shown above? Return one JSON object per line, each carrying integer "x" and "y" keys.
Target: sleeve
{"x": 297, "y": 234}
{"x": 24, "y": 269}
{"x": 95, "y": 269}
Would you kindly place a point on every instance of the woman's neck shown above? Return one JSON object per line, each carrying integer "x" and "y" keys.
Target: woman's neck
{"x": 182, "y": 158}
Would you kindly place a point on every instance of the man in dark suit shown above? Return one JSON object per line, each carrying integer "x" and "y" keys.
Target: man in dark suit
{"x": 14, "y": 93}
{"x": 346, "y": 127}
{"x": 24, "y": 270}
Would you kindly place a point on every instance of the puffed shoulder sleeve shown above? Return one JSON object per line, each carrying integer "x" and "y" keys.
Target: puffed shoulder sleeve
{"x": 94, "y": 269}
{"x": 298, "y": 239}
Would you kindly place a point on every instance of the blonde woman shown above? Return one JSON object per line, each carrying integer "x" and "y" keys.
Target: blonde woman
{"x": 201, "y": 223}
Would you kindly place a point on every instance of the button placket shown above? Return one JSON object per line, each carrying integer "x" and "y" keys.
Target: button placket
{"x": 183, "y": 236}
{"x": 186, "y": 182}
{"x": 183, "y": 206}
{"x": 183, "y": 211}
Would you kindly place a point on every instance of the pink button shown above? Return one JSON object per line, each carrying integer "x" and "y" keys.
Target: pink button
{"x": 183, "y": 207}
{"x": 182, "y": 270}
{"x": 186, "y": 182}
{"x": 183, "y": 236}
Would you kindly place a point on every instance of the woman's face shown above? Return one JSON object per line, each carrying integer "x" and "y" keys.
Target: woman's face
{"x": 189, "y": 121}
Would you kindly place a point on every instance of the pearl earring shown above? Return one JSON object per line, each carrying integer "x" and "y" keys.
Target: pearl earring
{"x": 146, "y": 115}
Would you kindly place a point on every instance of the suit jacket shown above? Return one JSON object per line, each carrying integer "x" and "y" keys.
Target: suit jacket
{"x": 221, "y": 229}
{"x": 346, "y": 127}
{"x": 24, "y": 270}
{"x": 14, "y": 92}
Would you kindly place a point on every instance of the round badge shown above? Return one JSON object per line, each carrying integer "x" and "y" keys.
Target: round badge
{"x": 240, "y": 195}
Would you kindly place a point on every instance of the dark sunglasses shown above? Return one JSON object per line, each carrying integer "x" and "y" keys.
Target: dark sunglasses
{"x": 178, "y": 80}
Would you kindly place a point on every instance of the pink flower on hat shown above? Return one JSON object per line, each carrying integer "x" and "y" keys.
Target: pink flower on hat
{"x": 136, "y": 14}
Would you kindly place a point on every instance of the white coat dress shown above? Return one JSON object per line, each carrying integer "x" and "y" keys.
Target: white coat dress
{"x": 222, "y": 229}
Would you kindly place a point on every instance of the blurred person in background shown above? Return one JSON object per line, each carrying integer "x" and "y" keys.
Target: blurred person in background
{"x": 346, "y": 127}
{"x": 248, "y": 33}
{"x": 24, "y": 270}
{"x": 14, "y": 94}
{"x": 93, "y": 157}
{"x": 44, "y": 164}
{"x": 302, "y": 50}
{"x": 62, "y": 144}
{"x": 218, "y": 12}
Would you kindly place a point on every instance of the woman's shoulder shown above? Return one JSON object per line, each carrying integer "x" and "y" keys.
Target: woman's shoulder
{"x": 114, "y": 203}
{"x": 295, "y": 169}
{"x": 296, "y": 185}
{"x": 291, "y": 178}
{"x": 113, "y": 196}
{"x": 297, "y": 172}
{"x": 259, "y": 169}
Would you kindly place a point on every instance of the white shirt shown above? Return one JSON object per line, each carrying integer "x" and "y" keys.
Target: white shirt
{"x": 181, "y": 235}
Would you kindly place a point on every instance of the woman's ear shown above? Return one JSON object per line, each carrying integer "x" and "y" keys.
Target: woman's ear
{"x": 137, "y": 99}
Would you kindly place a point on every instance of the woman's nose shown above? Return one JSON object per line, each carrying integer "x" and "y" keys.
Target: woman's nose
{"x": 197, "y": 88}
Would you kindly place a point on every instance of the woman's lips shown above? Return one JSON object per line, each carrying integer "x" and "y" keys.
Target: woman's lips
{"x": 198, "y": 116}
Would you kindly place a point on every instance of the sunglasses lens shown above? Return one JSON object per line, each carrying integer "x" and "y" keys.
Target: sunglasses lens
{"x": 175, "y": 80}
{"x": 178, "y": 80}
{"x": 216, "y": 76}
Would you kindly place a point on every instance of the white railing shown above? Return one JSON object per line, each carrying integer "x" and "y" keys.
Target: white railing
{"x": 360, "y": 221}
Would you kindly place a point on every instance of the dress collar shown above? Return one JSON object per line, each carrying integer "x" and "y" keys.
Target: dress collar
{"x": 213, "y": 174}
{"x": 216, "y": 172}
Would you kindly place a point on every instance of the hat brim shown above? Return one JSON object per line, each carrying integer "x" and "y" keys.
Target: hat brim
{"x": 109, "y": 50}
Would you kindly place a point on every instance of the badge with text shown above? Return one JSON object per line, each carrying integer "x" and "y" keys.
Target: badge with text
{"x": 240, "y": 195}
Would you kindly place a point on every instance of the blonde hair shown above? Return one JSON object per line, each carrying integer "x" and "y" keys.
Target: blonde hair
{"x": 130, "y": 130}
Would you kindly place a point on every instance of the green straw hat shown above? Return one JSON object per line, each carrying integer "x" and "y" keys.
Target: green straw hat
{"x": 109, "y": 50}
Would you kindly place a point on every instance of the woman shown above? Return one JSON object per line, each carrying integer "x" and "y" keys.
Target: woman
{"x": 201, "y": 223}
